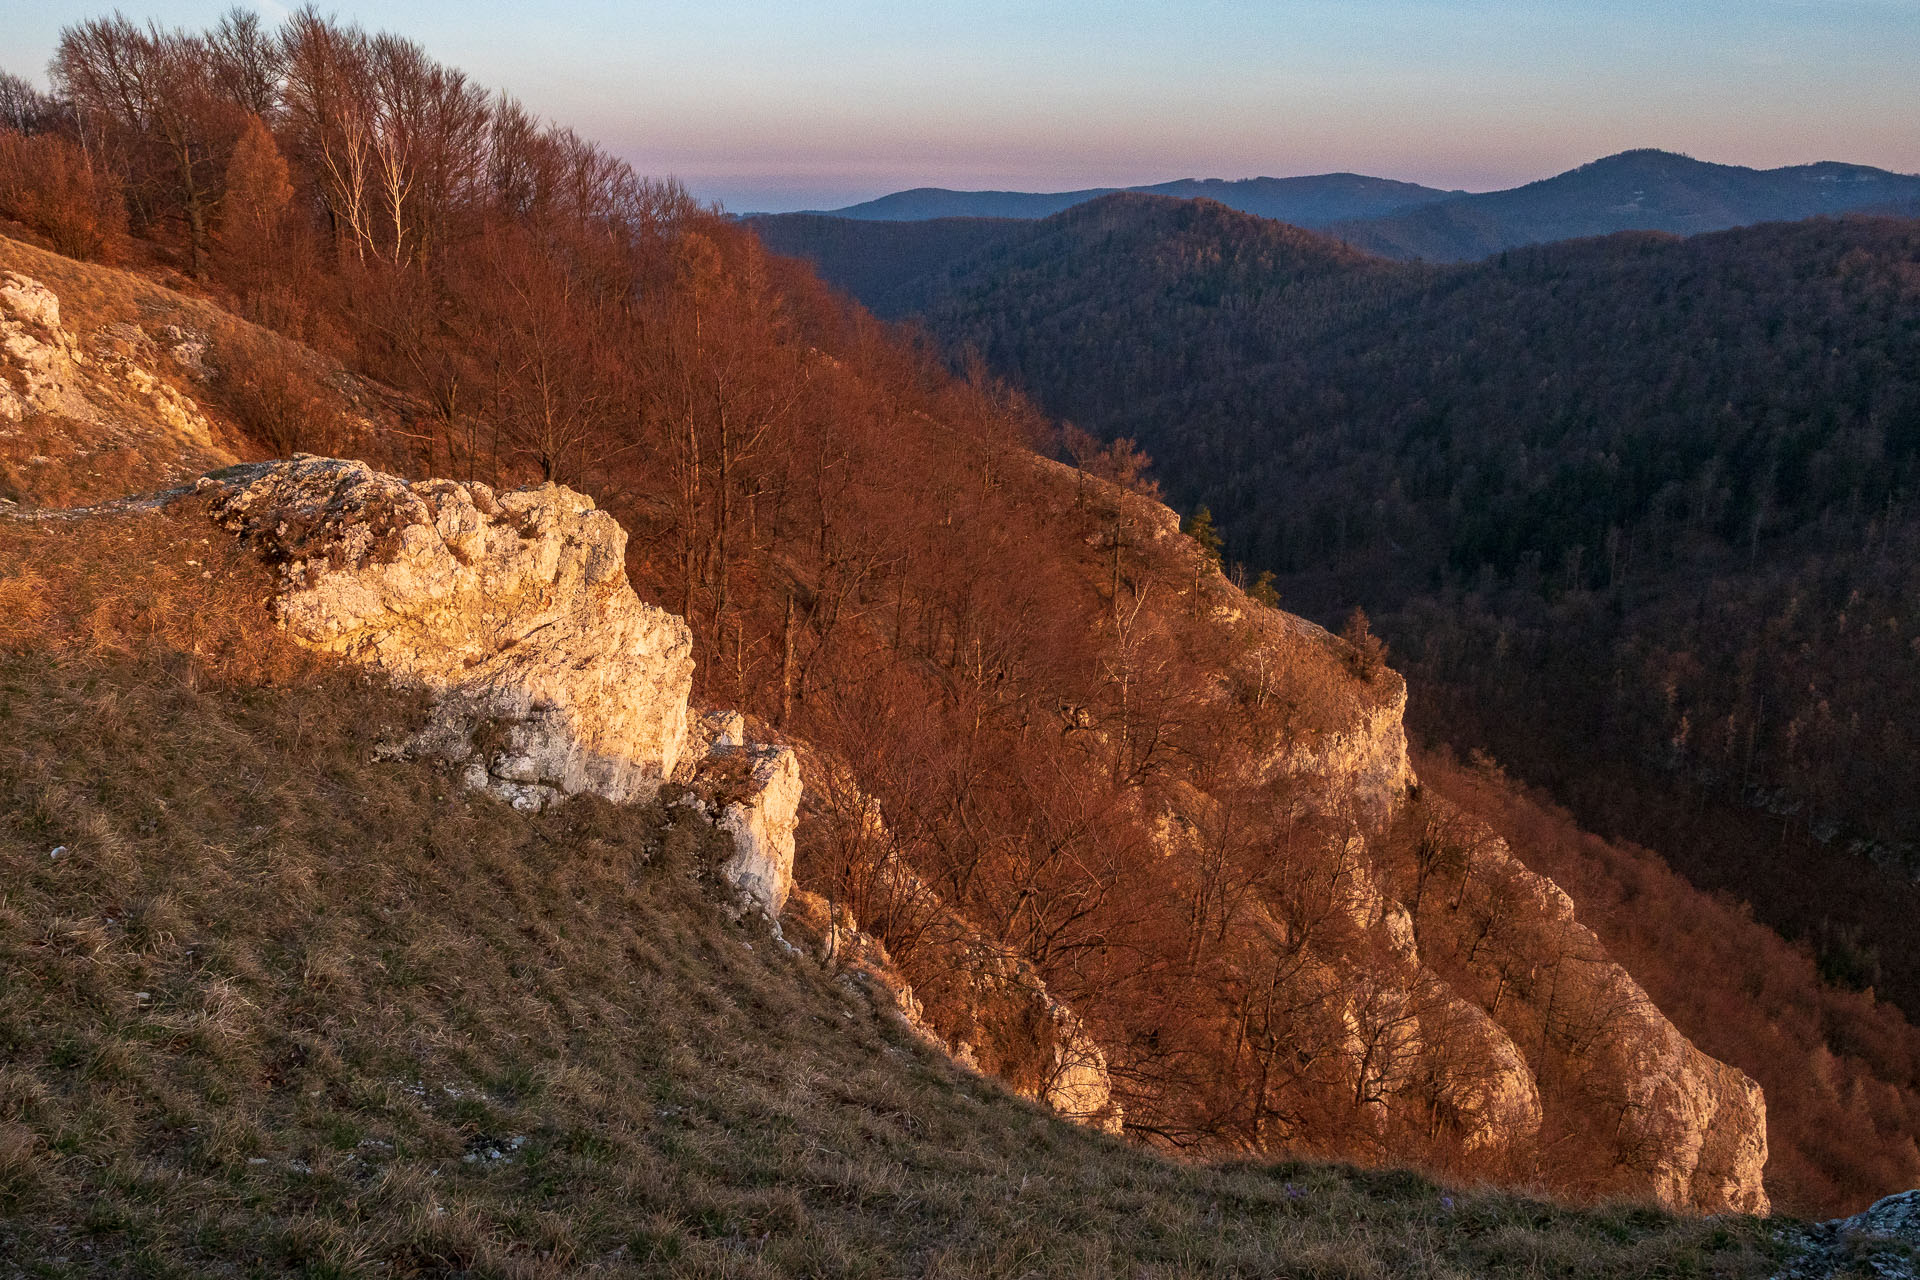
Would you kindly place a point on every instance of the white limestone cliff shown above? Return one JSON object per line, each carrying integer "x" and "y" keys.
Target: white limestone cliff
{"x": 550, "y": 676}
{"x": 754, "y": 790}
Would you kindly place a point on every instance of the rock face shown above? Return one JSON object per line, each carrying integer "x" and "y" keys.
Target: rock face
{"x": 41, "y": 363}
{"x": 761, "y": 822}
{"x": 755, "y": 790}
{"x": 978, "y": 1000}
{"x": 984, "y": 1006}
{"x": 1882, "y": 1241}
{"x": 43, "y": 371}
{"x": 1680, "y": 1124}
{"x": 551, "y": 677}
{"x": 1364, "y": 766}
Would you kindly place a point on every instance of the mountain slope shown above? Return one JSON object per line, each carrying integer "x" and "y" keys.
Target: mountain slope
{"x": 314, "y": 1012}
{"x": 1306, "y": 201}
{"x": 1057, "y": 751}
{"x": 1632, "y": 191}
{"x": 1536, "y": 470}
{"x": 1398, "y": 433}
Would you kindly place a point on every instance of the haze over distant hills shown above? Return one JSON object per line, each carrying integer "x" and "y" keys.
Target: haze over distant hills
{"x": 1316, "y": 201}
{"x": 1634, "y": 191}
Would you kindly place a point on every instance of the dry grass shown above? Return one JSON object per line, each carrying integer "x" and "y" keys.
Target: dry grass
{"x": 92, "y": 294}
{"x": 261, "y": 382}
{"x": 52, "y": 461}
{"x": 278, "y": 1009}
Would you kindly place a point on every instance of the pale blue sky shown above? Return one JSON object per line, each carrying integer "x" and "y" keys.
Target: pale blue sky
{"x": 768, "y": 105}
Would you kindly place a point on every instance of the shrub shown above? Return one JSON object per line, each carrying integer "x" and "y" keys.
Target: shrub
{"x": 1200, "y": 528}
{"x": 49, "y": 184}
{"x": 1366, "y": 652}
{"x": 279, "y": 404}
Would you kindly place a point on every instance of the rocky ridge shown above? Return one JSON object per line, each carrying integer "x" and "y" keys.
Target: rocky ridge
{"x": 549, "y": 677}
{"x": 1450, "y": 1003}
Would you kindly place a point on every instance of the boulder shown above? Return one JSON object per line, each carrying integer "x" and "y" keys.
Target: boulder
{"x": 1881, "y": 1241}
{"x": 39, "y": 363}
{"x": 549, "y": 675}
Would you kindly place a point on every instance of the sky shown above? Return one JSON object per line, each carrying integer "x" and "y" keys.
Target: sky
{"x": 768, "y": 105}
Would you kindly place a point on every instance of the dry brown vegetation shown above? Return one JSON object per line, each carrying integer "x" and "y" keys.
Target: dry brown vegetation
{"x": 47, "y": 183}
{"x": 869, "y": 555}
{"x": 1841, "y": 1070}
{"x": 275, "y": 1008}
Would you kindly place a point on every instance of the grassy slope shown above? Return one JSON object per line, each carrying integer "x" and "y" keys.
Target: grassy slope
{"x": 279, "y": 1007}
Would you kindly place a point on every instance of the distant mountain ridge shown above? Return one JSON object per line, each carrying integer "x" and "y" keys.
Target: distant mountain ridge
{"x": 1644, "y": 190}
{"x": 1634, "y": 191}
{"x": 1316, "y": 201}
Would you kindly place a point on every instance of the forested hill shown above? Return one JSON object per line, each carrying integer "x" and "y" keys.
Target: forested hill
{"x": 1639, "y": 511}
{"x": 1201, "y": 249}
{"x": 894, "y": 268}
{"x": 1632, "y": 191}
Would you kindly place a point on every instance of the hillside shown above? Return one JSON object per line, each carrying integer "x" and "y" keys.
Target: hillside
{"x": 1112, "y": 830}
{"x": 1514, "y": 453}
{"x": 1252, "y": 735}
{"x": 895, "y": 268}
{"x": 1632, "y": 191}
{"x": 1496, "y": 461}
{"x": 315, "y": 1013}
{"x": 1315, "y": 201}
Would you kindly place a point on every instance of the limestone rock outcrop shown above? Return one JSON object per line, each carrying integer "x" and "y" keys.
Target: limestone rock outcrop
{"x": 1364, "y": 765}
{"x": 1882, "y": 1240}
{"x": 985, "y": 1007}
{"x": 44, "y": 371}
{"x": 979, "y": 1001}
{"x": 550, "y": 676}
{"x": 754, "y": 789}
{"x": 39, "y": 361}
{"x": 1679, "y": 1123}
